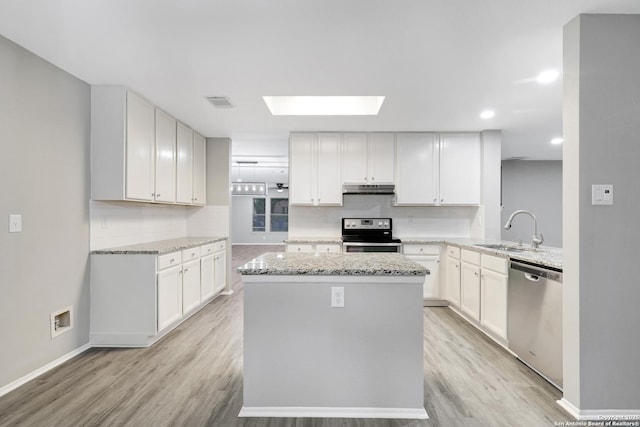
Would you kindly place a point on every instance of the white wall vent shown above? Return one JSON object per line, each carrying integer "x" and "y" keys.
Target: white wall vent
{"x": 220, "y": 101}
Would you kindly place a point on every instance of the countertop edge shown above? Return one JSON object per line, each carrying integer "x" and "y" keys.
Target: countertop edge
{"x": 163, "y": 246}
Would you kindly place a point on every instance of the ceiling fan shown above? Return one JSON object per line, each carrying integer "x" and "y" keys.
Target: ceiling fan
{"x": 280, "y": 187}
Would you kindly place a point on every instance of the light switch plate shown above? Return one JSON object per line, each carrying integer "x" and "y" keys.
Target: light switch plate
{"x": 15, "y": 223}
{"x": 601, "y": 194}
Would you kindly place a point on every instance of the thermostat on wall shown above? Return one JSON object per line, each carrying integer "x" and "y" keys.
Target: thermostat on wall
{"x": 602, "y": 194}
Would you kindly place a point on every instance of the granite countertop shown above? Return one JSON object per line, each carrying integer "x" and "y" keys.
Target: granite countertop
{"x": 331, "y": 264}
{"x": 547, "y": 256}
{"x": 315, "y": 240}
{"x": 160, "y": 246}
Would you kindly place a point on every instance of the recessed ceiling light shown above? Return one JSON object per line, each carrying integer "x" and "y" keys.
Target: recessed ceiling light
{"x": 324, "y": 105}
{"x": 547, "y": 76}
{"x": 487, "y": 114}
{"x": 557, "y": 141}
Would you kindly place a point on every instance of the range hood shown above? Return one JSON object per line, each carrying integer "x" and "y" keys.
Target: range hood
{"x": 368, "y": 189}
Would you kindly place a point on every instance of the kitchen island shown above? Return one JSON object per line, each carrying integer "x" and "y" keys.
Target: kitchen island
{"x": 333, "y": 335}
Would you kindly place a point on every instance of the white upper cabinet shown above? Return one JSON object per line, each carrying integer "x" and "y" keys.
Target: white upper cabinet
{"x": 460, "y": 169}
{"x": 191, "y": 167}
{"x": 354, "y": 153}
{"x": 165, "y": 174}
{"x": 314, "y": 172}
{"x": 368, "y": 158}
{"x": 417, "y": 169}
{"x": 438, "y": 169}
{"x": 381, "y": 158}
{"x": 135, "y": 151}
{"x": 199, "y": 169}
{"x": 301, "y": 170}
{"x": 184, "y": 193}
{"x": 140, "y": 137}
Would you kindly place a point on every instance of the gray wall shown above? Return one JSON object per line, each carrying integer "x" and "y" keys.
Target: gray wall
{"x": 242, "y": 217}
{"x": 218, "y": 171}
{"x": 534, "y": 185}
{"x": 44, "y": 175}
{"x": 601, "y": 289}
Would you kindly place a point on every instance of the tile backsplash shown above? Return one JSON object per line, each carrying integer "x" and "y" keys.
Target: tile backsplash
{"x": 126, "y": 223}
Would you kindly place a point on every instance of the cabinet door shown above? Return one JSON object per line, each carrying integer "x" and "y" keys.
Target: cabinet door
{"x": 329, "y": 179}
{"x": 140, "y": 172}
{"x": 417, "y": 169}
{"x": 381, "y": 157}
{"x": 165, "y": 151}
{"x": 169, "y": 296}
{"x": 470, "y": 290}
{"x": 184, "y": 167}
{"x": 452, "y": 278}
{"x": 354, "y": 154}
{"x": 207, "y": 268}
{"x": 190, "y": 285}
{"x": 199, "y": 169}
{"x": 431, "y": 287}
{"x": 493, "y": 313}
{"x": 328, "y": 248}
{"x": 220, "y": 271}
{"x": 301, "y": 170}
{"x": 460, "y": 175}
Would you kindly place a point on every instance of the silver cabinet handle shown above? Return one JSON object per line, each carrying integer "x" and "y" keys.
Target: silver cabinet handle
{"x": 435, "y": 200}
{"x": 158, "y": 195}
{"x": 441, "y": 200}
{"x": 186, "y": 270}
{"x": 172, "y": 261}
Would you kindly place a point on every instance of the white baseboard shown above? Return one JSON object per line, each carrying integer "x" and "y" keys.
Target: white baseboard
{"x": 334, "y": 412}
{"x": 599, "y": 414}
{"x": 59, "y": 361}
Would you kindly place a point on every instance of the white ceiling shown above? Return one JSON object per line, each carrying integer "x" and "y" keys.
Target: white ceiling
{"x": 438, "y": 62}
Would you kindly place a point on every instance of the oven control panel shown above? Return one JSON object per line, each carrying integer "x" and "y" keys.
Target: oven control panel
{"x": 366, "y": 223}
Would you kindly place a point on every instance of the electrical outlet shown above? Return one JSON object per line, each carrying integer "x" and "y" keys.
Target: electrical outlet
{"x": 337, "y": 296}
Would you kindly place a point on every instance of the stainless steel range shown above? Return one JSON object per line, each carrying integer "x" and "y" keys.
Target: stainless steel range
{"x": 369, "y": 235}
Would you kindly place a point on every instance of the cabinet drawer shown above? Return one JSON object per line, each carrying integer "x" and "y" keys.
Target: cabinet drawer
{"x": 495, "y": 263}
{"x": 328, "y": 248}
{"x": 453, "y": 251}
{"x": 470, "y": 256}
{"x": 206, "y": 249}
{"x": 191, "y": 253}
{"x": 169, "y": 260}
{"x": 411, "y": 249}
{"x": 299, "y": 248}
{"x": 220, "y": 246}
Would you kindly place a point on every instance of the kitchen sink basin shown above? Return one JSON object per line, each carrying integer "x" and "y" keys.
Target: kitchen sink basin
{"x": 503, "y": 247}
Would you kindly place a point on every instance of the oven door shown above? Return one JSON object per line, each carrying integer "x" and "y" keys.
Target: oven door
{"x": 359, "y": 247}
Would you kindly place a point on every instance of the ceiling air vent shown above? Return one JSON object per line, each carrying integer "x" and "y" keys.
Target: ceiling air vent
{"x": 220, "y": 101}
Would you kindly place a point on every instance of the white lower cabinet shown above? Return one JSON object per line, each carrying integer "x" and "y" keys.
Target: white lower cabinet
{"x": 190, "y": 286}
{"x": 494, "y": 285}
{"x": 427, "y": 256}
{"x": 220, "y": 267}
{"x": 470, "y": 290}
{"x": 483, "y": 285}
{"x": 207, "y": 272}
{"x": 169, "y": 296}
{"x": 137, "y": 298}
{"x": 452, "y": 276}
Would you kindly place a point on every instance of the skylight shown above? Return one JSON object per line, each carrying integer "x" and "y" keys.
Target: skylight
{"x": 324, "y": 105}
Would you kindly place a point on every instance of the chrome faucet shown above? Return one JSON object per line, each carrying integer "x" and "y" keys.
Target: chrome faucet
{"x": 535, "y": 240}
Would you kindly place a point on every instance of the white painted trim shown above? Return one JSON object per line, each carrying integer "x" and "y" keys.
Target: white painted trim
{"x": 229, "y": 292}
{"x": 59, "y": 361}
{"x": 599, "y": 414}
{"x": 333, "y": 412}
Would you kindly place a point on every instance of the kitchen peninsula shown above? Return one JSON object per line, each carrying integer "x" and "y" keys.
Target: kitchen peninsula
{"x": 333, "y": 335}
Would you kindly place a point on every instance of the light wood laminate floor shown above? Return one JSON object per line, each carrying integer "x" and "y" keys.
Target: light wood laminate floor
{"x": 193, "y": 377}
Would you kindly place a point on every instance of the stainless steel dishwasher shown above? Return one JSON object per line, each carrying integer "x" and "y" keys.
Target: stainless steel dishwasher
{"x": 534, "y": 321}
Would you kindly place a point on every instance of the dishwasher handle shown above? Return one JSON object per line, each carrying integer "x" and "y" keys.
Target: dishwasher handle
{"x": 534, "y": 272}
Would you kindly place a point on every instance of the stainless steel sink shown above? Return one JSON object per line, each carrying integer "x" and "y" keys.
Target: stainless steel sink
{"x": 503, "y": 247}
